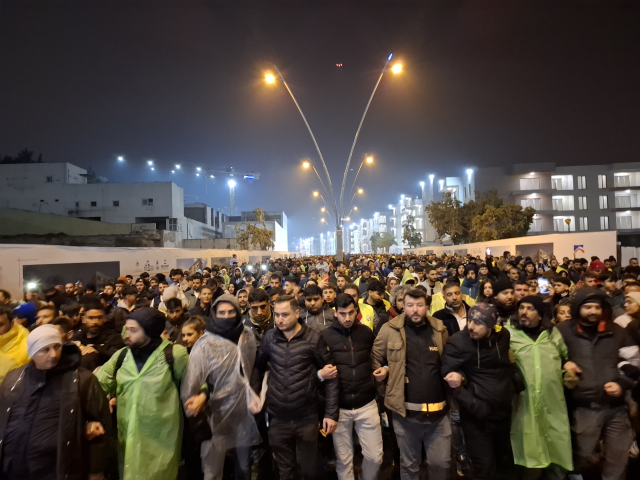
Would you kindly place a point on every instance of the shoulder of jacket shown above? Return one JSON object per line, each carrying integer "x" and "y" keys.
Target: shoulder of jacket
{"x": 436, "y": 323}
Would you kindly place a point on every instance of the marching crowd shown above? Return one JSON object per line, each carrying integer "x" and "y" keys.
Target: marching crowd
{"x": 446, "y": 366}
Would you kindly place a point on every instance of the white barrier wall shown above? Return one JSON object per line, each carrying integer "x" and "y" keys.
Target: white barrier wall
{"x": 601, "y": 244}
{"x": 133, "y": 261}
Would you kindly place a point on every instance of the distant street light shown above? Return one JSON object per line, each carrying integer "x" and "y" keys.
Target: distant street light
{"x": 397, "y": 68}
{"x": 120, "y": 159}
{"x": 150, "y": 162}
{"x": 232, "y": 198}
{"x": 270, "y": 78}
{"x": 360, "y": 190}
{"x": 178, "y": 166}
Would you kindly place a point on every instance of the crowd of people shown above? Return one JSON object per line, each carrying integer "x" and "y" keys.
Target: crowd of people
{"x": 374, "y": 367}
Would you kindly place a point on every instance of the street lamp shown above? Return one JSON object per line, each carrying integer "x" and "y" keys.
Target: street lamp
{"x": 360, "y": 190}
{"x": 232, "y": 197}
{"x": 355, "y": 208}
{"x": 121, "y": 159}
{"x": 178, "y": 166}
{"x": 341, "y": 211}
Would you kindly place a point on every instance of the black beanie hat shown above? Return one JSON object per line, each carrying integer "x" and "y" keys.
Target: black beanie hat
{"x": 500, "y": 285}
{"x": 537, "y": 303}
{"x": 151, "y": 320}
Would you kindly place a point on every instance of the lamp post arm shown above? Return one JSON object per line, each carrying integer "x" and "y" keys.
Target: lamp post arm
{"x": 352, "y": 187}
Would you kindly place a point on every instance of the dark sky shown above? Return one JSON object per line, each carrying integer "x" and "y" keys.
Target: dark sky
{"x": 485, "y": 83}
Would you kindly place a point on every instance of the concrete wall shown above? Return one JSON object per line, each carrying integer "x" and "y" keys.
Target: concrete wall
{"x": 132, "y": 260}
{"x": 22, "y": 222}
{"x": 601, "y": 244}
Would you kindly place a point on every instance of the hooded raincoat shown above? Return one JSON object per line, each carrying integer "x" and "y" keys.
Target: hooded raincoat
{"x": 149, "y": 413}
{"x": 540, "y": 432}
{"x": 13, "y": 349}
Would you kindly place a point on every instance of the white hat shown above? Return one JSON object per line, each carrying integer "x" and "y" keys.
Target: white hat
{"x": 41, "y": 337}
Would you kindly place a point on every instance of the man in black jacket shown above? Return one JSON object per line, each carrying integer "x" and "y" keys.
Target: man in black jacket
{"x": 98, "y": 340}
{"x": 478, "y": 357}
{"x": 53, "y": 415}
{"x": 606, "y": 359}
{"x": 294, "y": 354}
{"x": 349, "y": 344}
{"x": 454, "y": 314}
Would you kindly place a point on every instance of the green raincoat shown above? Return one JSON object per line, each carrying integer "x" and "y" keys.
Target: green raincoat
{"x": 540, "y": 432}
{"x": 149, "y": 413}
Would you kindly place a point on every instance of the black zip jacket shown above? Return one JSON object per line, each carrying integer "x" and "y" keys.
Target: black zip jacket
{"x": 293, "y": 375}
{"x": 107, "y": 342}
{"x": 350, "y": 350}
{"x": 489, "y": 375}
{"x": 24, "y": 397}
{"x": 449, "y": 319}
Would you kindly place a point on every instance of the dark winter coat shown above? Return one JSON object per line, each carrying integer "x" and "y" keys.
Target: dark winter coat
{"x": 489, "y": 374}
{"x": 293, "y": 375}
{"x": 25, "y": 392}
{"x": 449, "y": 319}
{"x": 107, "y": 342}
{"x": 350, "y": 350}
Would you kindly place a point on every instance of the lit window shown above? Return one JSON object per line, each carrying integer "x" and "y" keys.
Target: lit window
{"x": 602, "y": 181}
{"x": 604, "y": 223}
{"x": 604, "y": 202}
{"x": 582, "y": 182}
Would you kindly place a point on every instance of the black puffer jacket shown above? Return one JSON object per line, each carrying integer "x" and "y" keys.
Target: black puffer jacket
{"x": 489, "y": 375}
{"x": 350, "y": 350}
{"x": 23, "y": 396}
{"x": 293, "y": 375}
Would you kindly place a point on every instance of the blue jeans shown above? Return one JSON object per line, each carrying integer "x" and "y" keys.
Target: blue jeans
{"x": 435, "y": 435}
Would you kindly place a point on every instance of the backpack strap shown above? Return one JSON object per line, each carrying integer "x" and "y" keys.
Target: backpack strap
{"x": 120, "y": 361}
{"x": 168, "y": 356}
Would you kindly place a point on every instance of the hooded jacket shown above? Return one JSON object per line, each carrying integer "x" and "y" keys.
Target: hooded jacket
{"x": 489, "y": 374}
{"x": 350, "y": 350}
{"x": 610, "y": 355}
{"x": 13, "y": 349}
{"x": 320, "y": 320}
{"x": 25, "y": 394}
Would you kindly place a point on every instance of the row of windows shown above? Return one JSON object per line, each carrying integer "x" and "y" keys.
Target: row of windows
{"x": 558, "y": 204}
{"x": 559, "y": 225}
{"x": 116, "y": 203}
{"x": 566, "y": 182}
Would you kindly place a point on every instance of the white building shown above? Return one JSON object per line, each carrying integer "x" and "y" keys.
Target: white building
{"x": 274, "y": 221}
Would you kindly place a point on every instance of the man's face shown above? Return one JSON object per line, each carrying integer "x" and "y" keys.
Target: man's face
{"x": 3, "y": 300}
{"x": 415, "y": 309}
{"x": 397, "y": 271}
{"x": 346, "y": 316}
{"x": 119, "y": 287}
{"x": 260, "y": 310}
{"x": 243, "y": 299}
{"x": 375, "y": 297}
{"x": 529, "y": 316}
{"x": 513, "y": 274}
{"x": 5, "y": 324}
{"x": 421, "y": 275}
{"x": 289, "y": 287}
{"x": 313, "y": 303}
{"x": 140, "y": 286}
{"x": 197, "y": 284}
{"x": 633, "y": 263}
{"x": 313, "y": 275}
{"x": 554, "y": 263}
{"x": 372, "y": 267}
{"x": 153, "y": 283}
{"x": 341, "y": 282}
{"x": 93, "y": 320}
{"x": 285, "y": 317}
{"x": 520, "y": 291}
{"x": 453, "y": 297}
{"x": 471, "y": 274}
{"x": 189, "y": 336}
{"x": 341, "y": 268}
{"x": 238, "y": 273}
{"x": 530, "y": 268}
{"x": 48, "y": 357}
{"x": 130, "y": 299}
{"x": 206, "y": 295}
{"x": 225, "y": 311}
{"x": 506, "y": 298}
{"x": 45, "y": 316}
{"x": 477, "y": 330}
{"x": 352, "y": 293}
{"x": 559, "y": 288}
{"x": 174, "y": 315}
{"x": 161, "y": 287}
{"x": 329, "y": 295}
{"x": 129, "y": 280}
{"x": 275, "y": 282}
{"x": 432, "y": 276}
{"x": 590, "y": 282}
{"x": 134, "y": 335}
{"x": 108, "y": 290}
{"x": 366, "y": 274}
{"x": 607, "y": 264}
{"x": 400, "y": 302}
{"x": 69, "y": 288}
{"x": 591, "y": 313}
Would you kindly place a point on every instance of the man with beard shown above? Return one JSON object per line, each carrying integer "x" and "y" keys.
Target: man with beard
{"x": 540, "y": 437}
{"x": 107, "y": 297}
{"x": 243, "y": 300}
{"x": 478, "y": 357}
{"x": 97, "y": 339}
{"x": 54, "y": 415}
{"x": 317, "y": 314}
{"x": 144, "y": 379}
{"x": 454, "y": 314}
{"x": 504, "y": 300}
{"x": 214, "y": 361}
{"x": 292, "y": 394}
{"x": 407, "y": 354}
{"x": 237, "y": 279}
{"x": 606, "y": 359}
{"x": 70, "y": 292}
{"x": 341, "y": 269}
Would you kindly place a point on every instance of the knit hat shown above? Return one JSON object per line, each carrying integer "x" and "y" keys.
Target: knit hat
{"x": 150, "y": 320}
{"x": 41, "y": 337}
{"x": 561, "y": 279}
{"x": 537, "y": 303}
{"x": 483, "y": 313}
{"x": 597, "y": 266}
{"x": 635, "y": 296}
{"x": 502, "y": 284}
{"x": 26, "y": 310}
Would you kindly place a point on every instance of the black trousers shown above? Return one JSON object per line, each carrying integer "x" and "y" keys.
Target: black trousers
{"x": 294, "y": 444}
{"x": 488, "y": 446}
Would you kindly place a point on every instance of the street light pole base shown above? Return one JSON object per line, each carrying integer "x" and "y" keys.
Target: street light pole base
{"x": 339, "y": 245}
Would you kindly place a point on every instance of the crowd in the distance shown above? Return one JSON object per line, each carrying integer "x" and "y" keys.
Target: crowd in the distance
{"x": 375, "y": 367}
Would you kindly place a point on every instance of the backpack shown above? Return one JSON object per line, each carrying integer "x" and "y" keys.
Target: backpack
{"x": 168, "y": 356}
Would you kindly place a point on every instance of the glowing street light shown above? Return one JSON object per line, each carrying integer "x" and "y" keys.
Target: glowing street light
{"x": 355, "y": 208}
{"x": 397, "y": 68}
{"x": 149, "y": 162}
{"x": 197, "y": 174}
{"x": 322, "y": 219}
{"x": 315, "y": 194}
{"x": 212, "y": 176}
{"x": 198, "y": 169}
{"x": 121, "y": 159}
{"x": 178, "y": 167}
{"x": 173, "y": 171}
{"x": 422, "y": 184}
{"x": 152, "y": 168}
{"x": 369, "y": 159}
{"x": 323, "y": 209}
{"x": 231, "y": 183}
{"x": 360, "y": 190}
{"x": 306, "y": 164}
{"x": 270, "y": 78}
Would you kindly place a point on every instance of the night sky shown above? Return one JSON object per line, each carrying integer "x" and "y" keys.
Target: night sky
{"x": 484, "y": 83}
